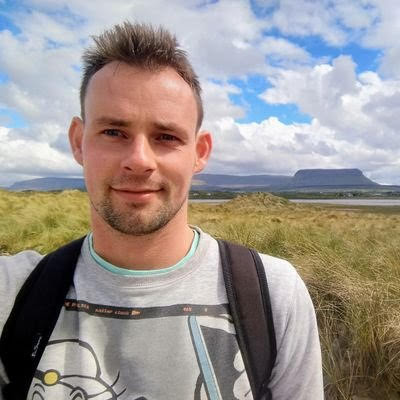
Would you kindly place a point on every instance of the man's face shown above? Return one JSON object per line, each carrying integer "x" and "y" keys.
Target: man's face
{"x": 138, "y": 147}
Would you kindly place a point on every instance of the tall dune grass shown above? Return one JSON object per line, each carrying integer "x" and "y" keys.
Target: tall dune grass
{"x": 41, "y": 221}
{"x": 350, "y": 262}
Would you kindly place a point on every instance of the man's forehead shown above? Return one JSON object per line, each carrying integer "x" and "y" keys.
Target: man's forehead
{"x": 115, "y": 68}
{"x": 124, "y": 92}
{"x": 117, "y": 81}
{"x": 122, "y": 88}
{"x": 117, "y": 71}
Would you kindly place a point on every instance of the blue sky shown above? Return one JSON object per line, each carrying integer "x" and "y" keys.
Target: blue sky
{"x": 287, "y": 84}
{"x": 256, "y": 110}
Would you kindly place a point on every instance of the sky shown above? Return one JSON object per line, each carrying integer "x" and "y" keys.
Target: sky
{"x": 287, "y": 84}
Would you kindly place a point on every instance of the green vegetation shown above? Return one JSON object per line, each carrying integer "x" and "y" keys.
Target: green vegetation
{"x": 293, "y": 194}
{"x": 41, "y": 220}
{"x": 350, "y": 261}
{"x": 208, "y": 195}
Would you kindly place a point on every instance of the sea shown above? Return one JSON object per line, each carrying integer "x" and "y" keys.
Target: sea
{"x": 352, "y": 202}
{"x": 348, "y": 202}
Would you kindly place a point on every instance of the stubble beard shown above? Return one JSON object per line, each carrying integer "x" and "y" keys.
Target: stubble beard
{"x": 134, "y": 219}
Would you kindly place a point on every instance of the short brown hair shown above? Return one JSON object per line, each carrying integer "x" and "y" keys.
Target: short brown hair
{"x": 143, "y": 46}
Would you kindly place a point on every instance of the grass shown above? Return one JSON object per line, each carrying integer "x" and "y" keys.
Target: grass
{"x": 350, "y": 261}
{"x": 41, "y": 221}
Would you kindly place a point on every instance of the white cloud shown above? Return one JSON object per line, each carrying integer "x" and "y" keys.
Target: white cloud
{"x": 228, "y": 150}
{"x": 58, "y": 29}
{"x": 217, "y": 104}
{"x": 358, "y": 108}
{"x": 42, "y": 81}
{"x": 24, "y": 157}
{"x": 384, "y": 34}
{"x": 309, "y": 18}
{"x": 336, "y": 22}
{"x": 282, "y": 52}
{"x": 356, "y": 14}
{"x": 223, "y": 38}
{"x": 274, "y": 147}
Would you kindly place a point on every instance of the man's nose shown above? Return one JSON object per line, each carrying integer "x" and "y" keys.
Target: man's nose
{"x": 139, "y": 156}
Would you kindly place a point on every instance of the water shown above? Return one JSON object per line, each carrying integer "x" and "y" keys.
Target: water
{"x": 348, "y": 202}
{"x": 352, "y": 202}
{"x": 209, "y": 201}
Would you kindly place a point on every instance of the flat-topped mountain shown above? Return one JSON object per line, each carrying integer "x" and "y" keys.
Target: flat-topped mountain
{"x": 315, "y": 179}
{"x": 330, "y": 177}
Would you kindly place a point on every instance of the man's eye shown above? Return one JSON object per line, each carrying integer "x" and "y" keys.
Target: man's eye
{"x": 112, "y": 132}
{"x": 167, "y": 137}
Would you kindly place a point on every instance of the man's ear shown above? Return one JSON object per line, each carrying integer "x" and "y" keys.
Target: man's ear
{"x": 75, "y": 135}
{"x": 203, "y": 150}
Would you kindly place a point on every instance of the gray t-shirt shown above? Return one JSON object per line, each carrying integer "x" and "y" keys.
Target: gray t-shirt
{"x": 165, "y": 335}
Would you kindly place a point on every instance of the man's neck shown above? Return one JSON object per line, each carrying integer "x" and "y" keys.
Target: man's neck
{"x": 159, "y": 249}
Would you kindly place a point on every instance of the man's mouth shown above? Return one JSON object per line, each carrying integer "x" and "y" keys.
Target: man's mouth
{"x": 136, "y": 190}
{"x": 136, "y": 194}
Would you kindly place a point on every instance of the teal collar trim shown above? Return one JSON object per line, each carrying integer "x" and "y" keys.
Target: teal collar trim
{"x": 128, "y": 272}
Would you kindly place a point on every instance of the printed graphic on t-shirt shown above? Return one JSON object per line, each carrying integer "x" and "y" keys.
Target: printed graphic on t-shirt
{"x": 173, "y": 352}
{"x": 72, "y": 380}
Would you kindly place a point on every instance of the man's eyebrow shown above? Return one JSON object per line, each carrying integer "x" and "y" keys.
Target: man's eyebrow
{"x": 122, "y": 123}
{"x": 112, "y": 121}
{"x": 168, "y": 126}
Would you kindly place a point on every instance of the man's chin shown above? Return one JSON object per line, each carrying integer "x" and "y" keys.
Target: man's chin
{"x": 136, "y": 219}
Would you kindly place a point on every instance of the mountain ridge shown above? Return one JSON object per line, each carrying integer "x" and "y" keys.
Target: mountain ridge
{"x": 320, "y": 177}
{"x": 303, "y": 179}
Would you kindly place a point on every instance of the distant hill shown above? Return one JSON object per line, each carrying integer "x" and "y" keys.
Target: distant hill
{"x": 330, "y": 177}
{"x": 46, "y": 184}
{"x": 303, "y": 180}
{"x": 216, "y": 181}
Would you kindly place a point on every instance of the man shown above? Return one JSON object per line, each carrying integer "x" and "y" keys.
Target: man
{"x": 128, "y": 329}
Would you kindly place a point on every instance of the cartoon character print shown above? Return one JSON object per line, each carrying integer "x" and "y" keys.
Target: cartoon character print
{"x": 63, "y": 383}
{"x": 222, "y": 374}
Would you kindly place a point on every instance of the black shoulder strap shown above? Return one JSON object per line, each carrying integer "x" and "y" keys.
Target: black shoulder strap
{"x": 249, "y": 301}
{"x": 33, "y": 317}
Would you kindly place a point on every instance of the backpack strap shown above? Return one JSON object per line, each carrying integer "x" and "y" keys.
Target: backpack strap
{"x": 250, "y": 305}
{"x": 33, "y": 317}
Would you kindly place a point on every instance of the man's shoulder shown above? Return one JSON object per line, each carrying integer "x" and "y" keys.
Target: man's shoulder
{"x": 284, "y": 282}
{"x": 279, "y": 271}
{"x": 19, "y": 265}
{"x": 14, "y": 270}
